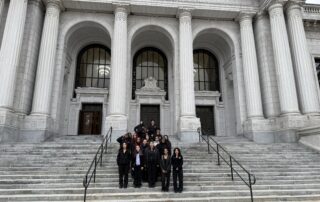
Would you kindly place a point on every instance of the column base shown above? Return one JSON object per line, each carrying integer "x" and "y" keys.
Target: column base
{"x": 282, "y": 129}
{"x": 9, "y": 126}
{"x": 119, "y": 124}
{"x": 36, "y": 128}
{"x": 188, "y": 129}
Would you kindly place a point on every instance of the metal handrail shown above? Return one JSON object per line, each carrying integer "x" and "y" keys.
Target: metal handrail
{"x": 96, "y": 160}
{"x": 230, "y": 161}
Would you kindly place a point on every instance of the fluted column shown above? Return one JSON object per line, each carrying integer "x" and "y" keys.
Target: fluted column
{"x": 46, "y": 62}
{"x": 188, "y": 123}
{"x": 267, "y": 72}
{"x": 283, "y": 63}
{"x": 306, "y": 84}
{"x": 10, "y": 50}
{"x": 119, "y": 63}
{"x": 117, "y": 117}
{"x": 187, "y": 99}
{"x": 250, "y": 68}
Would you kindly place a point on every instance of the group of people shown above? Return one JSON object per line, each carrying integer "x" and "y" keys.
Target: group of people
{"x": 148, "y": 155}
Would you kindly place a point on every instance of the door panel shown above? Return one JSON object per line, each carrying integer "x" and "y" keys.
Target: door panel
{"x": 90, "y": 119}
{"x": 150, "y": 112}
{"x": 206, "y": 115}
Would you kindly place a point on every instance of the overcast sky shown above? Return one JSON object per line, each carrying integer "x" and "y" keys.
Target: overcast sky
{"x": 313, "y": 1}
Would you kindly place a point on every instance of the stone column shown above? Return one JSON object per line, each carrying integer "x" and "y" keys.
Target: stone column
{"x": 267, "y": 72}
{"x": 188, "y": 121}
{"x": 46, "y": 62}
{"x": 304, "y": 70}
{"x": 250, "y": 68}
{"x": 10, "y": 50}
{"x": 118, "y": 83}
{"x": 283, "y": 63}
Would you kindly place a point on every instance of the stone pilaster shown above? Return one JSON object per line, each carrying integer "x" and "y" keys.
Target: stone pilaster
{"x": 1, "y": 8}
{"x": 283, "y": 63}
{"x": 306, "y": 84}
{"x": 10, "y": 51}
{"x": 250, "y": 68}
{"x": 188, "y": 121}
{"x": 117, "y": 103}
{"x": 46, "y": 62}
{"x": 267, "y": 72}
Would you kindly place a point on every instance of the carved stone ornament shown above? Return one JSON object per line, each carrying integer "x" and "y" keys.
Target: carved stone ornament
{"x": 150, "y": 84}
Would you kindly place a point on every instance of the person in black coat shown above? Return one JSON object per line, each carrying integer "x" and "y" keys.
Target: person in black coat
{"x": 139, "y": 129}
{"x": 137, "y": 166}
{"x": 125, "y": 139}
{"x": 165, "y": 165}
{"x": 177, "y": 162}
{"x": 152, "y": 129}
{"x": 123, "y": 161}
{"x": 152, "y": 164}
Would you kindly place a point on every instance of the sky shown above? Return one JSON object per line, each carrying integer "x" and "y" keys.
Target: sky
{"x": 313, "y": 1}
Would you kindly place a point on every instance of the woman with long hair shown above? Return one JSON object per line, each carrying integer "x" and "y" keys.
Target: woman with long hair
{"x": 177, "y": 172}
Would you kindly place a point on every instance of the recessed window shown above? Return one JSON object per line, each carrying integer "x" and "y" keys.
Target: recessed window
{"x": 149, "y": 62}
{"x": 93, "y": 67}
{"x": 317, "y": 61}
{"x": 206, "y": 71}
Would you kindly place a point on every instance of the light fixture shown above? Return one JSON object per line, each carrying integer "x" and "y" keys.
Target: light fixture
{"x": 104, "y": 70}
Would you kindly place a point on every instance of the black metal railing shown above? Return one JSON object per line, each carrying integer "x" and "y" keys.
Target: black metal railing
{"x": 96, "y": 161}
{"x": 229, "y": 160}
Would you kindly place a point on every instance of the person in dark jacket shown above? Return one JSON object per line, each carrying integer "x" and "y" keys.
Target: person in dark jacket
{"x": 177, "y": 162}
{"x": 161, "y": 146}
{"x": 137, "y": 166}
{"x": 168, "y": 143}
{"x": 144, "y": 147}
{"x": 165, "y": 165}
{"x": 152, "y": 129}
{"x": 123, "y": 161}
{"x": 125, "y": 138}
{"x": 139, "y": 129}
{"x": 152, "y": 164}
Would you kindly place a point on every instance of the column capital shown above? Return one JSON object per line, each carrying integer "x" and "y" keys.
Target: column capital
{"x": 276, "y": 4}
{"x": 123, "y": 8}
{"x": 54, "y": 3}
{"x": 244, "y": 16}
{"x": 294, "y": 4}
{"x": 185, "y": 12}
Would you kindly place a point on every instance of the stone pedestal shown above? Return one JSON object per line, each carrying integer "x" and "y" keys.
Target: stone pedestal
{"x": 189, "y": 129}
{"x": 36, "y": 128}
{"x": 9, "y": 126}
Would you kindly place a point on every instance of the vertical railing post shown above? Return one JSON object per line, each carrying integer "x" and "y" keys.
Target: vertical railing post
{"x": 85, "y": 184}
{"x": 101, "y": 155}
{"x": 95, "y": 167}
{"x": 250, "y": 186}
{"x": 208, "y": 143}
{"x": 218, "y": 154}
{"x": 231, "y": 168}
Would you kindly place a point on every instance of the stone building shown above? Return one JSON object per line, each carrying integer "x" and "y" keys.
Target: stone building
{"x": 70, "y": 67}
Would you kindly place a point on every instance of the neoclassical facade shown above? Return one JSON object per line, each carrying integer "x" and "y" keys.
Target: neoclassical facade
{"x": 72, "y": 67}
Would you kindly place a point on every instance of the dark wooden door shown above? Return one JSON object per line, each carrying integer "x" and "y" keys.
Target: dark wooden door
{"x": 150, "y": 112}
{"x": 206, "y": 115}
{"x": 90, "y": 120}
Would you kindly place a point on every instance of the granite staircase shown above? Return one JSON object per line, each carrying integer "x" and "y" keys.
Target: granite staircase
{"x": 54, "y": 170}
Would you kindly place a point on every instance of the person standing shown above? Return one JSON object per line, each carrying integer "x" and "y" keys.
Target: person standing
{"x": 139, "y": 129}
{"x": 152, "y": 129}
{"x": 177, "y": 162}
{"x": 137, "y": 166}
{"x": 165, "y": 165}
{"x": 152, "y": 164}
{"x": 123, "y": 161}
